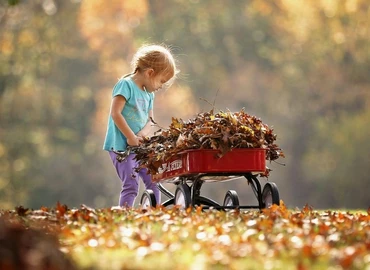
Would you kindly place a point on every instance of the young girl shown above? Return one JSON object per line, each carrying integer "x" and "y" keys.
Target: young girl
{"x": 131, "y": 112}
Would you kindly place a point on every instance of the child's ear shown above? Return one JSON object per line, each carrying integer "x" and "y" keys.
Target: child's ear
{"x": 150, "y": 72}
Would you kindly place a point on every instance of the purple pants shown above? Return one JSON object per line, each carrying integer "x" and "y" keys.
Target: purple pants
{"x": 130, "y": 180}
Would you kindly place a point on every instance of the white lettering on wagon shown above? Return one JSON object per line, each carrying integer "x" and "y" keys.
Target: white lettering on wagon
{"x": 170, "y": 166}
{"x": 175, "y": 165}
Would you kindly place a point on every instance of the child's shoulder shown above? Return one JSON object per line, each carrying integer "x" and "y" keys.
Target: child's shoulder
{"x": 123, "y": 81}
{"x": 123, "y": 84}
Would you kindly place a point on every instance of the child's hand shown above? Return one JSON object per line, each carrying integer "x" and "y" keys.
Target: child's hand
{"x": 134, "y": 141}
{"x": 140, "y": 134}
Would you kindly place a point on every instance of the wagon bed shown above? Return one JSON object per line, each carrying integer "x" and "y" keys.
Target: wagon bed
{"x": 206, "y": 161}
{"x": 191, "y": 168}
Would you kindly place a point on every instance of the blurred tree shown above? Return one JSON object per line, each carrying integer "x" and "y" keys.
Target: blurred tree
{"x": 324, "y": 78}
{"x": 13, "y": 2}
{"x": 341, "y": 159}
{"x": 302, "y": 66}
{"x": 47, "y": 99}
{"x": 289, "y": 62}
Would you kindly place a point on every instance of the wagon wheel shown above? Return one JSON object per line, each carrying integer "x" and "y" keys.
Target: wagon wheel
{"x": 183, "y": 196}
{"x": 231, "y": 198}
{"x": 148, "y": 199}
{"x": 270, "y": 195}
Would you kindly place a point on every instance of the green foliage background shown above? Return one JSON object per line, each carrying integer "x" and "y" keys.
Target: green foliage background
{"x": 301, "y": 66}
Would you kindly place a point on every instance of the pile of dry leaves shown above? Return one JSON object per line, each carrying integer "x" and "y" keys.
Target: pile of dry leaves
{"x": 222, "y": 131}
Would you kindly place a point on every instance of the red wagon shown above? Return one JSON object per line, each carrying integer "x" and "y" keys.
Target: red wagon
{"x": 191, "y": 168}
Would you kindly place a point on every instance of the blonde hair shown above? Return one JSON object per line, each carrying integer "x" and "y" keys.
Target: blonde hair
{"x": 156, "y": 57}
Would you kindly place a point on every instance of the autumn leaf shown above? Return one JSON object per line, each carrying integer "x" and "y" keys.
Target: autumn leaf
{"x": 21, "y": 211}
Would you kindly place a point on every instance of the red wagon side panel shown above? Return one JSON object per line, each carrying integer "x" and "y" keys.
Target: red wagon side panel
{"x": 240, "y": 160}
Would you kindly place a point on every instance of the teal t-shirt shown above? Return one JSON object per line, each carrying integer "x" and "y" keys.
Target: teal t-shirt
{"x": 136, "y": 113}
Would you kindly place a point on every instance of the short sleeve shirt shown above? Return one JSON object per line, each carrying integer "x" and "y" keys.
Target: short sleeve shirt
{"x": 136, "y": 113}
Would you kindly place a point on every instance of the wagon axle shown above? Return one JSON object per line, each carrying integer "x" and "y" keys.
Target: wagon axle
{"x": 189, "y": 195}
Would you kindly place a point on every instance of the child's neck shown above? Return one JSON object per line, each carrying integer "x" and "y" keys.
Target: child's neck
{"x": 138, "y": 80}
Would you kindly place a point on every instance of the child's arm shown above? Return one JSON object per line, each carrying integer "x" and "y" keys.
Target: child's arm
{"x": 147, "y": 128}
{"x": 118, "y": 103}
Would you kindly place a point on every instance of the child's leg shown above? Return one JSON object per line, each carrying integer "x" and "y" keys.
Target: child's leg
{"x": 126, "y": 172}
{"x": 147, "y": 179}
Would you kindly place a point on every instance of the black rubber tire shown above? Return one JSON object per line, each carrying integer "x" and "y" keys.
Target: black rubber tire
{"x": 231, "y": 199}
{"x": 148, "y": 199}
{"x": 270, "y": 195}
{"x": 183, "y": 196}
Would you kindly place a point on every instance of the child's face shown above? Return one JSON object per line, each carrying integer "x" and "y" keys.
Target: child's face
{"x": 156, "y": 82}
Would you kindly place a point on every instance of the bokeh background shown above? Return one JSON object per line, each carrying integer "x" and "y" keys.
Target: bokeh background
{"x": 301, "y": 66}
